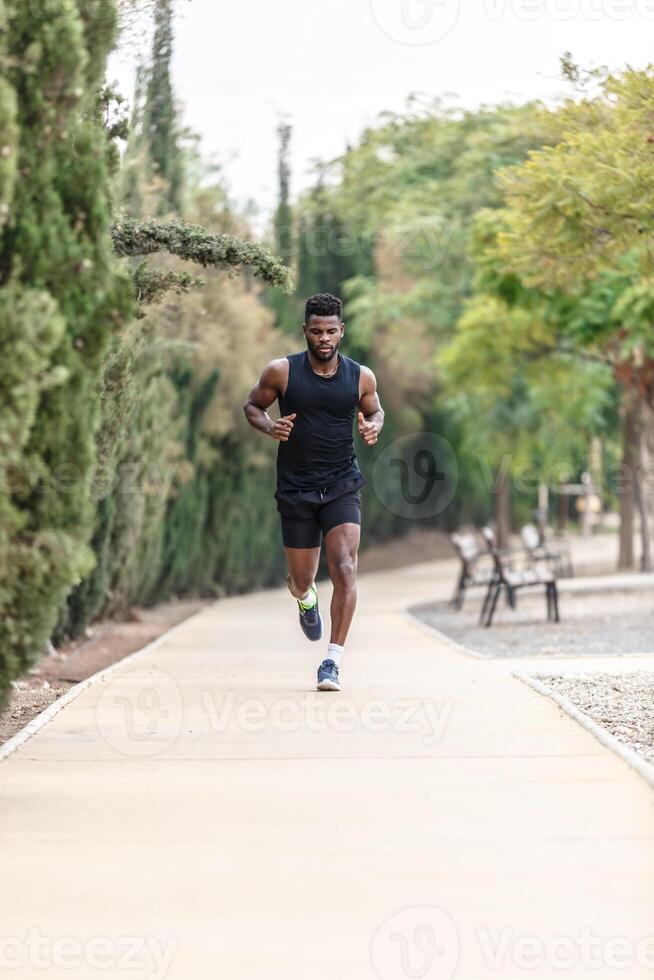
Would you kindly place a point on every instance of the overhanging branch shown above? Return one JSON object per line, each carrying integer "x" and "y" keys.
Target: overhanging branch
{"x": 195, "y": 244}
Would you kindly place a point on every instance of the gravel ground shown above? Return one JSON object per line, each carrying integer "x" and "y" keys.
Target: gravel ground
{"x": 623, "y": 704}
{"x": 592, "y": 624}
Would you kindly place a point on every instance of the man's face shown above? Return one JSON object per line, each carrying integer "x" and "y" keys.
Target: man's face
{"x": 324, "y": 335}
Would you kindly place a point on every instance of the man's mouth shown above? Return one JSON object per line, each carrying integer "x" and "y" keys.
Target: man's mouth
{"x": 325, "y": 349}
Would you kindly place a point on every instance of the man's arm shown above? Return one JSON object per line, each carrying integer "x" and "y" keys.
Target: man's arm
{"x": 266, "y": 391}
{"x": 371, "y": 414}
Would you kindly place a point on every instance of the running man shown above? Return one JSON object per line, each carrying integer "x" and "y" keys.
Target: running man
{"x": 318, "y": 478}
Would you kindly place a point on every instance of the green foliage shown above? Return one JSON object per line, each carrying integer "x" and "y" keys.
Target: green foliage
{"x": 194, "y": 244}
{"x": 61, "y": 304}
{"x": 287, "y": 308}
{"x": 169, "y": 456}
{"x": 160, "y": 116}
{"x": 575, "y": 208}
{"x": 390, "y": 225}
{"x": 521, "y": 402}
{"x": 152, "y": 285}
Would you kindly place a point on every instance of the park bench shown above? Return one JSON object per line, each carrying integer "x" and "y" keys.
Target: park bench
{"x": 539, "y": 549}
{"x": 470, "y": 555}
{"x": 505, "y": 576}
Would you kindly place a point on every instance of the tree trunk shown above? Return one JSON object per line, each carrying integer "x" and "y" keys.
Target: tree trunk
{"x": 644, "y": 485}
{"x": 630, "y": 454}
{"x": 562, "y": 513}
{"x": 502, "y": 507}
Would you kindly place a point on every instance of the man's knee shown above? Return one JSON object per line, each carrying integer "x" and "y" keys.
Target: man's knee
{"x": 344, "y": 571}
{"x": 300, "y": 582}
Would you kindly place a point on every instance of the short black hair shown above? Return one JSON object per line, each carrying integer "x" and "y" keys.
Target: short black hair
{"x": 323, "y": 304}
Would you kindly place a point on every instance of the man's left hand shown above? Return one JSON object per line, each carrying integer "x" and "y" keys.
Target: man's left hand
{"x": 368, "y": 430}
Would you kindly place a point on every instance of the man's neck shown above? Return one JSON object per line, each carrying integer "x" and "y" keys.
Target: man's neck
{"x": 328, "y": 367}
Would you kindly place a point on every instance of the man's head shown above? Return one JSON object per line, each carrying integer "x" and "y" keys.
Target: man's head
{"x": 323, "y": 325}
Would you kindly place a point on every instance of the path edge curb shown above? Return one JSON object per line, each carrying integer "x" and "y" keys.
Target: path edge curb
{"x": 434, "y": 631}
{"x": 41, "y": 720}
{"x": 630, "y": 756}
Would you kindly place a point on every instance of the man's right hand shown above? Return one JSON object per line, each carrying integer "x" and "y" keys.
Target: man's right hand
{"x": 283, "y": 427}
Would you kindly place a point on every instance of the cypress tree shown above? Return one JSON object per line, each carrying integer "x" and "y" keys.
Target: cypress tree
{"x": 287, "y": 309}
{"x": 283, "y": 221}
{"x": 61, "y": 302}
{"x": 154, "y": 529}
{"x": 160, "y": 114}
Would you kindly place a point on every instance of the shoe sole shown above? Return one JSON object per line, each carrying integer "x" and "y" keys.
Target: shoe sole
{"x": 328, "y": 685}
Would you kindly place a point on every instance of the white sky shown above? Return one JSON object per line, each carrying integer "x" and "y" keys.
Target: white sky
{"x": 332, "y": 65}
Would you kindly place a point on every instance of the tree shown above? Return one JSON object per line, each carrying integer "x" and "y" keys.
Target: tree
{"x": 287, "y": 308}
{"x": 390, "y": 225}
{"x": 61, "y": 304}
{"x": 162, "y": 510}
{"x": 528, "y": 411}
{"x": 160, "y": 115}
{"x": 579, "y": 217}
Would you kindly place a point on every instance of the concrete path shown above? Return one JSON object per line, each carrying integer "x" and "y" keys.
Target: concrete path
{"x": 203, "y": 813}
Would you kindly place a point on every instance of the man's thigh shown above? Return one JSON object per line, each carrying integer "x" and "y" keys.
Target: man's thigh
{"x": 302, "y": 533}
{"x": 345, "y": 510}
{"x": 342, "y": 548}
{"x": 303, "y": 565}
{"x": 341, "y": 525}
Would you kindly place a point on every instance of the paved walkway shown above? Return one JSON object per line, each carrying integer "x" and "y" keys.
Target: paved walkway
{"x": 203, "y": 813}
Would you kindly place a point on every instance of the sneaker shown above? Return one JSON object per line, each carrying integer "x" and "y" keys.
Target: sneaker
{"x": 310, "y": 618}
{"x": 328, "y": 676}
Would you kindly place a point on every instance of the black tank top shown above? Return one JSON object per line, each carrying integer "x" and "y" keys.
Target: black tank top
{"x": 320, "y": 451}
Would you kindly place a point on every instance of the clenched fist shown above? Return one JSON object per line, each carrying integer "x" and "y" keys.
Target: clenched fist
{"x": 368, "y": 430}
{"x": 283, "y": 427}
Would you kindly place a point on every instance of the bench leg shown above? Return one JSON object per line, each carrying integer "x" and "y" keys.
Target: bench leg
{"x": 555, "y": 602}
{"x": 484, "y": 607}
{"x": 552, "y": 602}
{"x": 497, "y": 588}
{"x": 459, "y": 593}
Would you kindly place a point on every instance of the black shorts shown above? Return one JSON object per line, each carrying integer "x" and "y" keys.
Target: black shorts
{"x": 305, "y": 517}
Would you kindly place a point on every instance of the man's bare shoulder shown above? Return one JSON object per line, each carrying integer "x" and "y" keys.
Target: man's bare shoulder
{"x": 367, "y": 380}
{"x": 275, "y": 372}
